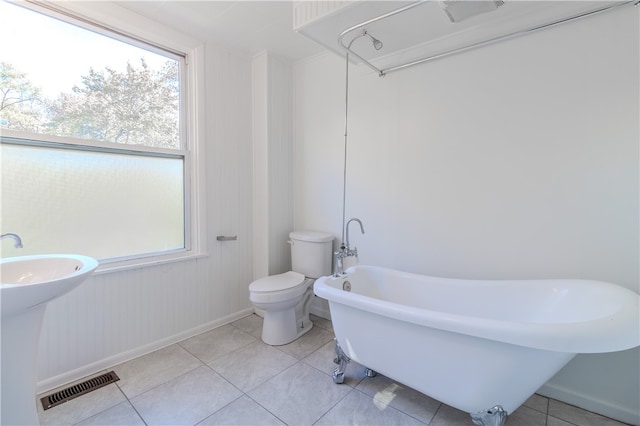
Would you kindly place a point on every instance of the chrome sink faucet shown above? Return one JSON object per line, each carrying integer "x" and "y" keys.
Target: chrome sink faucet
{"x": 345, "y": 250}
{"x": 17, "y": 241}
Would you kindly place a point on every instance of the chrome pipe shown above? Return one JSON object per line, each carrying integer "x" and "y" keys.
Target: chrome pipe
{"x": 500, "y": 38}
{"x": 377, "y": 44}
{"x": 383, "y": 72}
{"x": 370, "y": 21}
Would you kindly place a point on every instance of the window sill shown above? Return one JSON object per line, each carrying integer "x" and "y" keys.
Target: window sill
{"x": 124, "y": 265}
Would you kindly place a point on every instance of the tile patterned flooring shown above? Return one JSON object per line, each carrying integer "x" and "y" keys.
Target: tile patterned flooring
{"x": 228, "y": 376}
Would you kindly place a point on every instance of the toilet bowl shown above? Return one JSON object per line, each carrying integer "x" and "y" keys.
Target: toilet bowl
{"x": 285, "y": 299}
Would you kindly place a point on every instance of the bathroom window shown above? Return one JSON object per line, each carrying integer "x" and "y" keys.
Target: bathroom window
{"x": 94, "y": 153}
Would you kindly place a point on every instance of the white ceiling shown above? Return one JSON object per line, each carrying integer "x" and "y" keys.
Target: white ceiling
{"x": 254, "y": 26}
{"x": 251, "y": 26}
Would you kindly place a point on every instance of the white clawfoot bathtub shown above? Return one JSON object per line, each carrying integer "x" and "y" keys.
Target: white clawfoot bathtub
{"x": 475, "y": 344}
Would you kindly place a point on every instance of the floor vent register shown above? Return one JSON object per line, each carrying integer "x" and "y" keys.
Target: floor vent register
{"x": 78, "y": 389}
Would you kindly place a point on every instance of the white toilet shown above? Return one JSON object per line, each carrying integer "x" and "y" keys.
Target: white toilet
{"x": 286, "y": 298}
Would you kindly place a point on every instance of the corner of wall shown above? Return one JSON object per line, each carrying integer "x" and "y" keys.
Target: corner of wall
{"x": 272, "y": 84}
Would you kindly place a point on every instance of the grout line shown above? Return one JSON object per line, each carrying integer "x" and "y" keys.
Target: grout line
{"x": 562, "y": 420}
{"x": 265, "y": 408}
{"x": 546, "y": 412}
{"x": 334, "y": 405}
{"x": 221, "y": 408}
{"x": 436, "y": 413}
{"x": 129, "y": 402}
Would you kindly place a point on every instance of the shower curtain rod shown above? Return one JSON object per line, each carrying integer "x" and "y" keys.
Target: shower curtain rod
{"x": 383, "y": 72}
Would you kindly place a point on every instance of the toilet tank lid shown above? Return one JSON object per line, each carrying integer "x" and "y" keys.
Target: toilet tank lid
{"x": 312, "y": 236}
{"x": 278, "y": 282}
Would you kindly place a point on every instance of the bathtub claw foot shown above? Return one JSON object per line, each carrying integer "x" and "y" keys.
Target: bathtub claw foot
{"x": 342, "y": 360}
{"x": 495, "y": 416}
{"x": 369, "y": 372}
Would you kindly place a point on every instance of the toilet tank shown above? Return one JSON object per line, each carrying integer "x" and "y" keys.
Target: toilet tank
{"x": 311, "y": 253}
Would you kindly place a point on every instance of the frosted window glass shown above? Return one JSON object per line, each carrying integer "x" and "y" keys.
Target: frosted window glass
{"x": 104, "y": 205}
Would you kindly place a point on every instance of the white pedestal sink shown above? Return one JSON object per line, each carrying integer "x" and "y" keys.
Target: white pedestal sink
{"x": 27, "y": 284}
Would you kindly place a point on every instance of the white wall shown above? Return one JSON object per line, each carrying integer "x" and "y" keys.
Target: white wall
{"x": 272, "y": 163}
{"x": 116, "y": 316}
{"x": 517, "y": 160}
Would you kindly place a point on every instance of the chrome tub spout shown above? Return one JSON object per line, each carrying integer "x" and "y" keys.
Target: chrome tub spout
{"x": 353, "y": 219}
{"x": 345, "y": 250}
{"x": 17, "y": 241}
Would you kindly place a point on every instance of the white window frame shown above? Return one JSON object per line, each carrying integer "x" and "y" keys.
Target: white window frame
{"x": 117, "y": 22}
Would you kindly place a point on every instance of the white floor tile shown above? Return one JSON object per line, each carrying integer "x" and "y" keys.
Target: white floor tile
{"x": 148, "y": 371}
{"x": 251, "y": 324}
{"x": 360, "y": 409}
{"x": 410, "y": 401}
{"x": 185, "y": 400}
{"x": 242, "y": 412}
{"x": 252, "y": 365}
{"x": 552, "y": 421}
{"x": 217, "y": 343}
{"x": 578, "y": 416}
{"x": 525, "y": 416}
{"x": 538, "y": 402}
{"x": 299, "y": 395}
{"x": 122, "y": 414}
{"x": 310, "y": 342}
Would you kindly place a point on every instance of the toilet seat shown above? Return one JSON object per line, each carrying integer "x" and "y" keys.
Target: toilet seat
{"x": 279, "y": 288}
{"x": 279, "y": 282}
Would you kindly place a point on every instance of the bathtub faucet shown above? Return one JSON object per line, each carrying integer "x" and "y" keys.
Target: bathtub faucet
{"x": 355, "y": 250}
{"x": 17, "y": 242}
{"x": 338, "y": 262}
{"x": 345, "y": 250}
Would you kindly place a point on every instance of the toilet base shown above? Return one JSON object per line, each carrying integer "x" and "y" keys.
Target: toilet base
{"x": 280, "y": 328}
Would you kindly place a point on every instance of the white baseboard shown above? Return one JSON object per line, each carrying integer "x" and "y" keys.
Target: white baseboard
{"x": 109, "y": 362}
{"x": 605, "y": 408}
